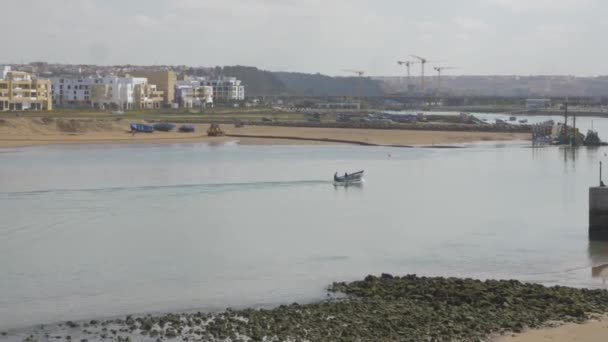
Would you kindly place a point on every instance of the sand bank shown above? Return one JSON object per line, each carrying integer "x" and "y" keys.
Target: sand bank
{"x": 593, "y": 331}
{"x": 34, "y": 131}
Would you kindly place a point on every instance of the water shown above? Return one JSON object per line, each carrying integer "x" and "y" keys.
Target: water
{"x": 98, "y": 231}
{"x": 583, "y": 123}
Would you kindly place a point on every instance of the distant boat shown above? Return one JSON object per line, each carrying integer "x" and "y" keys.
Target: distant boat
{"x": 523, "y": 121}
{"x": 186, "y": 129}
{"x": 352, "y": 178}
{"x": 165, "y": 127}
{"x": 512, "y": 118}
{"x": 137, "y": 127}
{"x": 500, "y": 121}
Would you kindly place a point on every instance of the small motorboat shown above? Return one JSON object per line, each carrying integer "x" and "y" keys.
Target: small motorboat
{"x": 348, "y": 178}
{"x": 165, "y": 127}
{"x": 186, "y": 129}
{"x": 143, "y": 128}
{"x": 523, "y": 121}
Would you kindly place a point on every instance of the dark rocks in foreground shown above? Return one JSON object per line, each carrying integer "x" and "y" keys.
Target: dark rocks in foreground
{"x": 384, "y": 308}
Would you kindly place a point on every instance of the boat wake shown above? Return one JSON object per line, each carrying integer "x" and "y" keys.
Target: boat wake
{"x": 203, "y": 188}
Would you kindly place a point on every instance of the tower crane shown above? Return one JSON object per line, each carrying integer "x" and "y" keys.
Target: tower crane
{"x": 422, "y": 62}
{"x": 439, "y": 69}
{"x": 359, "y": 73}
{"x": 407, "y": 64}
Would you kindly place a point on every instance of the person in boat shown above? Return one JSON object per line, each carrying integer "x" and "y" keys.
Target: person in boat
{"x": 345, "y": 175}
{"x": 336, "y": 176}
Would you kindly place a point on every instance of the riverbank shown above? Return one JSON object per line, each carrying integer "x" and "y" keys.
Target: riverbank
{"x": 592, "y": 331}
{"x": 16, "y": 132}
{"x": 384, "y": 308}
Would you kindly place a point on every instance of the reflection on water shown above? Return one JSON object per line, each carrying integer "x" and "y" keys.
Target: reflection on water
{"x": 598, "y": 257}
{"x": 598, "y": 254}
{"x": 174, "y": 227}
{"x": 347, "y": 187}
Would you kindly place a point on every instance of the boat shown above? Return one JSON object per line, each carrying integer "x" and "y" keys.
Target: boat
{"x": 352, "y": 178}
{"x": 143, "y": 128}
{"x": 500, "y": 122}
{"x": 165, "y": 127}
{"x": 523, "y": 121}
{"x": 186, "y": 129}
{"x": 512, "y": 118}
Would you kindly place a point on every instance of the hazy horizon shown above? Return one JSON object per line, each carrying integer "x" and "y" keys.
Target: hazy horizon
{"x": 481, "y": 37}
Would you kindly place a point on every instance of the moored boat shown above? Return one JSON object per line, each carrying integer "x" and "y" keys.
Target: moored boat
{"x": 352, "y": 178}
{"x": 186, "y": 129}
{"x": 137, "y": 127}
{"x": 165, "y": 127}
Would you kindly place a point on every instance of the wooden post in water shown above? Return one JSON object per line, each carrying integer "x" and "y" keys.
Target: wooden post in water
{"x": 598, "y": 211}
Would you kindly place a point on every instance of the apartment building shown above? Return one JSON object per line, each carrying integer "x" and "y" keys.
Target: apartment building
{"x": 69, "y": 91}
{"x": 21, "y": 91}
{"x": 106, "y": 92}
{"x": 165, "y": 81}
{"x": 191, "y": 93}
{"x": 226, "y": 88}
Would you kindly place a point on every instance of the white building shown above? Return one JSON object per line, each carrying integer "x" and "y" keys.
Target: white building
{"x": 225, "y": 88}
{"x": 5, "y": 70}
{"x": 191, "y": 93}
{"x": 71, "y": 91}
{"x": 108, "y": 91}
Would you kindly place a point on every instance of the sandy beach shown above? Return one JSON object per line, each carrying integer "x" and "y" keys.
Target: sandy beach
{"x": 593, "y": 331}
{"x": 16, "y": 132}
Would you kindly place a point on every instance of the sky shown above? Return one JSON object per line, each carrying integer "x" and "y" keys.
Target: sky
{"x": 479, "y": 37}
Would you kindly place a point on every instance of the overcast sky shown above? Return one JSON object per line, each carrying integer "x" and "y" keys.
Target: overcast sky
{"x": 479, "y": 36}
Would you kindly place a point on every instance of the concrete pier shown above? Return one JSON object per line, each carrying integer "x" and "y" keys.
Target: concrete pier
{"x": 598, "y": 213}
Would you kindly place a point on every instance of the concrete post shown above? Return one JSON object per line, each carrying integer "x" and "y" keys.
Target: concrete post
{"x": 598, "y": 213}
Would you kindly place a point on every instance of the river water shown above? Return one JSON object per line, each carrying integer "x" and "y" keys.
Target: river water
{"x": 100, "y": 231}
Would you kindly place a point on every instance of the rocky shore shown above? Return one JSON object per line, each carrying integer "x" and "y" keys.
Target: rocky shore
{"x": 384, "y": 308}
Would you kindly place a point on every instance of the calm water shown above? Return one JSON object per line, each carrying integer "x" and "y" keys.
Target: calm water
{"x": 99, "y": 231}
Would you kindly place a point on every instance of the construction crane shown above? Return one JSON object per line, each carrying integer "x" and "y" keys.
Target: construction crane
{"x": 422, "y": 62}
{"x": 407, "y": 64}
{"x": 359, "y": 73}
{"x": 439, "y": 69}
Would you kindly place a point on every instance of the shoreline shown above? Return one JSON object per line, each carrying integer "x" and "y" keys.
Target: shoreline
{"x": 36, "y": 132}
{"x": 376, "y": 308}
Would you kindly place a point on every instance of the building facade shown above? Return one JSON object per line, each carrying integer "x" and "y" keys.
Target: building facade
{"x": 165, "y": 81}
{"x": 106, "y": 92}
{"x": 20, "y": 91}
{"x": 191, "y": 93}
{"x": 533, "y": 105}
{"x": 226, "y": 88}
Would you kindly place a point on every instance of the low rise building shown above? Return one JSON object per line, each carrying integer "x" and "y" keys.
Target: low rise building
{"x": 21, "y": 91}
{"x": 226, "y": 88}
{"x": 191, "y": 93}
{"x": 106, "y": 92}
{"x": 165, "y": 81}
{"x": 533, "y": 105}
